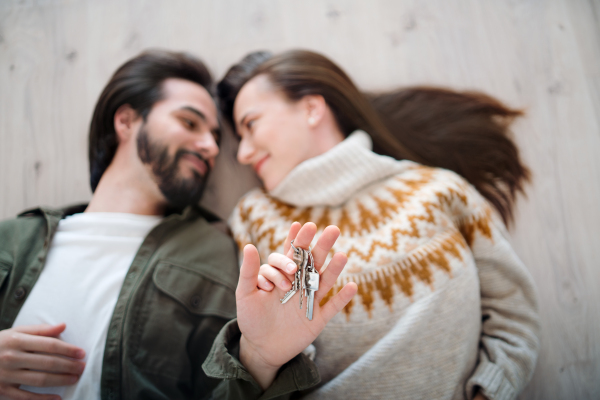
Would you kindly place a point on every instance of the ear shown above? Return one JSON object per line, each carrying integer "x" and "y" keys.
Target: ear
{"x": 124, "y": 120}
{"x": 315, "y": 109}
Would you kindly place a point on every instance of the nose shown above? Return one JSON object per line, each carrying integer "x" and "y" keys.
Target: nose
{"x": 206, "y": 145}
{"x": 245, "y": 152}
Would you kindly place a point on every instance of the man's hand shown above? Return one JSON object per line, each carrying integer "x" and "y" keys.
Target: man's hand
{"x": 272, "y": 333}
{"x": 33, "y": 355}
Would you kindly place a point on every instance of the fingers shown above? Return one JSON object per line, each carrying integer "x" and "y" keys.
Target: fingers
{"x": 304, "y": 237}
{"x": 11, "y": 392}
{"x": 39, "y": 379}
{"x": 249, "y": 271}
{"x": 330, "y": 275}
{"x": 293, "y": 232}
{"x": 276, "y": 277}
{"x": 43, "y": 362}
{"x": 265, "y": 284}
{"x": 324, "y": 244}
{"x": 42, "y": 329}
{"x": 338, "y": 302}
{"x": 43, "y": 344}
{"x": 274, "y": 273}
{"x": 283, "y": 263}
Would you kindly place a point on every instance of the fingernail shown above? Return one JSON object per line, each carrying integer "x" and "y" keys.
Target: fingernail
{"x": 290, "y": 268}
{"x": 285, "y": 284}
{"x": 265, "y": 282}
{"x": 80, "y": 354}
{"x": 74, "y": 379}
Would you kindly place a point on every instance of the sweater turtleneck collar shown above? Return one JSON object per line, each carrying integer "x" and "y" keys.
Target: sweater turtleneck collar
{"x": 333, "y": 177}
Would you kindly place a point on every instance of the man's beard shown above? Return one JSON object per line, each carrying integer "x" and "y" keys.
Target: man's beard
{"x": 179, "y": 192}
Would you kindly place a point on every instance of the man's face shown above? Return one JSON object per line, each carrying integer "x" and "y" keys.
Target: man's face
{"x": 178, "y": 141}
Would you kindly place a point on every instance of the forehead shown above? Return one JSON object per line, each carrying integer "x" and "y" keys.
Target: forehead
{"x": 180, "y": 93}
{"x": 256, "y": 92}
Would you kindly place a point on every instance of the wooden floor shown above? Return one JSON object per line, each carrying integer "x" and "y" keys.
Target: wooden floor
{"x": 543, "y": 56}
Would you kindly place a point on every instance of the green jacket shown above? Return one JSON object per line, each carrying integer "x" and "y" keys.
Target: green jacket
{"x": 178, "y": 294}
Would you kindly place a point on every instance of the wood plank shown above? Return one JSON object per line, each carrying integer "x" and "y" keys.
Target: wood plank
{"x": 56, "y": 55}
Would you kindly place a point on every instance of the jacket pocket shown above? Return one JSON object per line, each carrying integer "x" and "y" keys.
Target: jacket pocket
{"x": 175, "y": 317}
{"x": 199, "y": 294}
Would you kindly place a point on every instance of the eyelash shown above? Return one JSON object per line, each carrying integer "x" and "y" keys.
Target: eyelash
{"x": 189, "y": 123}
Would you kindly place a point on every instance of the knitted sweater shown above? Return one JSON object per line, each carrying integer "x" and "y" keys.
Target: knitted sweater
{"x": 444, "y": 304}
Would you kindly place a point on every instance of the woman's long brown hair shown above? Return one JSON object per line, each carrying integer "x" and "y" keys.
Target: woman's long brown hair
{"x": 466, "y": 132}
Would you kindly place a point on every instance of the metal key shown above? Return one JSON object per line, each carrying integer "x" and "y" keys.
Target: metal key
{"x": 301, "y": 273}
{"x": 306, "y": 280}
{"x": 310, "y": 261}
{"x": 299, "y": 258}
{"x": 312, "y": 285}
{"x": 295, "y": 287}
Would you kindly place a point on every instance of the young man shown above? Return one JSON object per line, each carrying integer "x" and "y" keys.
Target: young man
{"x": 145, "y": 285}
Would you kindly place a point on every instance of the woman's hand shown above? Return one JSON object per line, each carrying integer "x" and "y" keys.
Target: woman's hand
{"x": 272, "y": 333}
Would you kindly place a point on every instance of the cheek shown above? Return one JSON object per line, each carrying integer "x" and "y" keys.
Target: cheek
{"x": 288, "y": 152}
{"x": 166, "y": 132}
{"x": 290, "y": 139}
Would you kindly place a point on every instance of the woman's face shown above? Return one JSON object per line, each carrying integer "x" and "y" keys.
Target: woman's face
{"x": 275, "y": 132}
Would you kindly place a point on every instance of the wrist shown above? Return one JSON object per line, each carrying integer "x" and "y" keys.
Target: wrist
{"x": 263, "y": 372}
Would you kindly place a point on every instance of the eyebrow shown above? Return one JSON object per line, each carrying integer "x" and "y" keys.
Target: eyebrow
{"x": 195, "y": 111}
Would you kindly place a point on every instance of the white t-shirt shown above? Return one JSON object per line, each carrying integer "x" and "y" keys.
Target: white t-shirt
{"x": 80, "y": 283}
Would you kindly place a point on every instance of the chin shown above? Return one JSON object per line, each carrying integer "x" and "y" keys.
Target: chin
{"x": 270, "y": 184}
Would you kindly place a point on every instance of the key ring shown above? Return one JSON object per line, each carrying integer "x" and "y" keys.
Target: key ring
{"x": 299, "y": 248}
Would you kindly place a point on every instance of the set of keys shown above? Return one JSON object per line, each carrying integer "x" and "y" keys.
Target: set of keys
{"x": 306, "y": 280}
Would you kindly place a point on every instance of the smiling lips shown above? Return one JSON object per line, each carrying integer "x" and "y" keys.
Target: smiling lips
{"x": 197, "y": 163}
{"x": 259, "y": 164}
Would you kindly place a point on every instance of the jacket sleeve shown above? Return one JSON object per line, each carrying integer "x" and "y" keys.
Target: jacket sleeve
{"x": 509, "y": 343}
{"x": 223, "y": 363}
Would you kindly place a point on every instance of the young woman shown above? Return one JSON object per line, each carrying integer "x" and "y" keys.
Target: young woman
{"x": 445, "y": 309}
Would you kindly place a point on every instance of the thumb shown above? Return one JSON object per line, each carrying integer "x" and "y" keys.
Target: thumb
{"x": 42, "y": 329}
{"x": 249, "y": 271}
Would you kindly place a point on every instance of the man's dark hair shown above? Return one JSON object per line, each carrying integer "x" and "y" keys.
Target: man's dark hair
{"x": 138, "y": 83}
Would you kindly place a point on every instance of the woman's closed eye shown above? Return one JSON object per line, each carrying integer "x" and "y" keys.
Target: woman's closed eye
{"x": 249, "y": 124}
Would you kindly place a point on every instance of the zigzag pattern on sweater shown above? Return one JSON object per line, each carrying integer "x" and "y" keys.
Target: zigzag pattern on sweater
{"x": 392, "y": 204}
{"x": 401, "y": 274}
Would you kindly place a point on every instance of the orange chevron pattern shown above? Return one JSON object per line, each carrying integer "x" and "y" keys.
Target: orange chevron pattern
{"x": 402, "y": 275}
{"x": 429, "y": 222}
